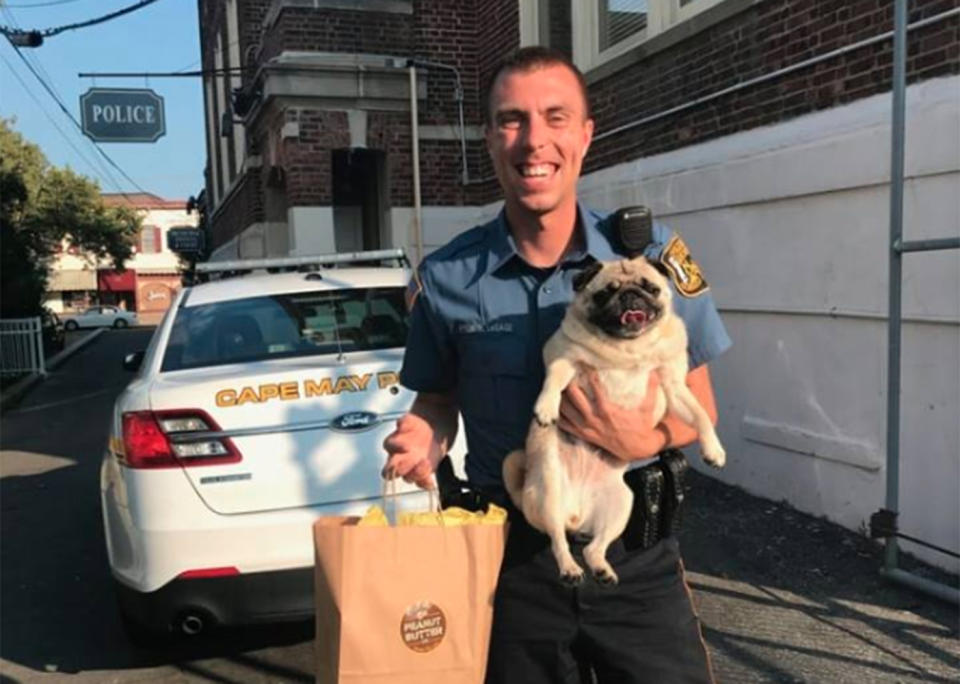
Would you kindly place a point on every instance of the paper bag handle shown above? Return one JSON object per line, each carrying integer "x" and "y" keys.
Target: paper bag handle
{"x": 389, "y": 494}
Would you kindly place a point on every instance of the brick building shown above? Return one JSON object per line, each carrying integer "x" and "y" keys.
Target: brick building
{"x": 760, "y": 129}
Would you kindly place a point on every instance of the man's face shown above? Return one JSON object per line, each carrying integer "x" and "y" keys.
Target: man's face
{"x": 538, "y": 137}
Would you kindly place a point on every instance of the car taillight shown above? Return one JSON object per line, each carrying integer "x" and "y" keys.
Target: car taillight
{"x": 204, "y": 573}
{"x": 174, "y": 439}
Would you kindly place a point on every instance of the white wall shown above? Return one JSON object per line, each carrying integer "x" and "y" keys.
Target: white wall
{"x": 790, "y": 223}
{"x": 311, "y": 230}
{"x": 439, "y": 225}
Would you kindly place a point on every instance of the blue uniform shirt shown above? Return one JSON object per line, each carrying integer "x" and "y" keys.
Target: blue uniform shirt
{"x": 483, "y": 314}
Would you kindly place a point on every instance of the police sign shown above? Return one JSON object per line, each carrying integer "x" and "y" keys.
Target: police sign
{"x": 122, "y": 115}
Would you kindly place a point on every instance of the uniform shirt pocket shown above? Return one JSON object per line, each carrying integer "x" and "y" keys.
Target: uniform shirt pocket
{"x": 495, "y": 382}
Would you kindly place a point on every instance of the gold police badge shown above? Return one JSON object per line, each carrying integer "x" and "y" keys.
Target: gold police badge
{"x": 684, "y": 271}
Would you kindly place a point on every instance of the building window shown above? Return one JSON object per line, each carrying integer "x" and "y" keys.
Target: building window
{"x": 150, "y": 242}
{"x": 604, "y": 29}
{"x": 618, "y": 20}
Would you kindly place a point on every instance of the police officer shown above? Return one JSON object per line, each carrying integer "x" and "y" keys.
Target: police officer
{"x": 482, "y": 308}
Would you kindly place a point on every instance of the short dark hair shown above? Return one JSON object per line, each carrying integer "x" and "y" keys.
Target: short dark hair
{"x": 529, "y": 59}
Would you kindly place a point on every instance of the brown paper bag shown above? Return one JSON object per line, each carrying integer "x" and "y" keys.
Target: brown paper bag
{"x": 403, "y": 605}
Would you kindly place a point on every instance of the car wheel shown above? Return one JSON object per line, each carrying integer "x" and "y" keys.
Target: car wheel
{"x": 70, "y": 325}
{"x": 120, "y": 323}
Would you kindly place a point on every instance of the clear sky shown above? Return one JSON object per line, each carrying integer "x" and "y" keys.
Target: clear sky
{"x": 160, "y": 37}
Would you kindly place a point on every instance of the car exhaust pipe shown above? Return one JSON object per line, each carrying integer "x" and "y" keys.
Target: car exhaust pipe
{"x": 192, "y": 624}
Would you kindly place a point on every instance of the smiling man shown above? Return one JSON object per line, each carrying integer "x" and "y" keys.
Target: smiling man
{"x": 482, "y": 308}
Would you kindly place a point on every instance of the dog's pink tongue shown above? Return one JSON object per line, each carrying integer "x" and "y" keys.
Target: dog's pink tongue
{"x": 632, "y": 316}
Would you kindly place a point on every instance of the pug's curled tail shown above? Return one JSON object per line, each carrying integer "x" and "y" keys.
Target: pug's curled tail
{"x": 514, "y": 474}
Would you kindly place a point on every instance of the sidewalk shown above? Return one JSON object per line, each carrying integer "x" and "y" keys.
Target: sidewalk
{"x": 786, "y": 597}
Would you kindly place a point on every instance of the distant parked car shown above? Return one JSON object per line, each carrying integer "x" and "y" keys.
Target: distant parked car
{"x": 100, "y": 316}
{"x": 53, "y": 337}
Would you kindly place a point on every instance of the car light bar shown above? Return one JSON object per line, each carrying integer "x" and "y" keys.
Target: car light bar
{"x": 293, "y": 262}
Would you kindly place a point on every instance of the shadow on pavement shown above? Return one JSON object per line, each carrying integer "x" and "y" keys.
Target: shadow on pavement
{"x": 785, "y": 596}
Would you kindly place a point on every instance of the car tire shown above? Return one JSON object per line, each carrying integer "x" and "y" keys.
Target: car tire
{"x": 120, "y": 323}
{"x": 70, "y": 325}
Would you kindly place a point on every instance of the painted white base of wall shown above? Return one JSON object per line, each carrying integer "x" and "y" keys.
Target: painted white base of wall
{"x": 439, "y": 225}
{"x": 311, "y": 231}
{"x": 791, "y": 225}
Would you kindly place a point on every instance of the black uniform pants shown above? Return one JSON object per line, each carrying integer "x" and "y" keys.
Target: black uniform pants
{"x": 642, "y": 630}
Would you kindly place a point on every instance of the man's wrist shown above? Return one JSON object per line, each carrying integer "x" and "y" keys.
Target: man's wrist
{"x": 664, "y": 433}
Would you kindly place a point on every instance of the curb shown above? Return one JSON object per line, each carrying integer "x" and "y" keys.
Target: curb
{"x": 16, "y": 392}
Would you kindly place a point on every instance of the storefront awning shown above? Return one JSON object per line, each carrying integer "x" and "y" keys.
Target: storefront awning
{"x": 117, "y": 281}
{"x": 72, "y": 279}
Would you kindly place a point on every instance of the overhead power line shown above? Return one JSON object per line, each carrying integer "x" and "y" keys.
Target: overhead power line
{"x": 34, "y": 37}
{"x": 42, "y": 4}
{"x": 161, "y": 74}
{"x": 53, "y": 122}
{"x": 75, "y": 122}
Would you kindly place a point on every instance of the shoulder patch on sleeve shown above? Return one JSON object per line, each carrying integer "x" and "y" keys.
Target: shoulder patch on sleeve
{"x": 414, "y": 288}
{"x": 684, "y": 271}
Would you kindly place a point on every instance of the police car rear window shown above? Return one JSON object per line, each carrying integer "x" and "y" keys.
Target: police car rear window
{"x": 286, "y": 326}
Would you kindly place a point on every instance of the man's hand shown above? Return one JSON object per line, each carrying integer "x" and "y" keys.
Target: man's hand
{"x": 412, "y": 452}
{"x": 421, "y": 440}
{"x": 629, "y": 433}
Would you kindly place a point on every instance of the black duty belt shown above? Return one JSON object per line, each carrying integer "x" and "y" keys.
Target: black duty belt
{"x": 658, "y": 496}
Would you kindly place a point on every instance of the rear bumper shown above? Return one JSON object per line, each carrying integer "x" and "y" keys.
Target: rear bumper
{"x": 274, "y": 596}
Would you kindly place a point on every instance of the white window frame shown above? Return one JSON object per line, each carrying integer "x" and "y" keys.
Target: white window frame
{"x": 661, "y": 16}
{"x": 529, "y": 22}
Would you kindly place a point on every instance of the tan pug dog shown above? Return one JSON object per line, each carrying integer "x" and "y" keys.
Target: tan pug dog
{"x": 620, "y": 322}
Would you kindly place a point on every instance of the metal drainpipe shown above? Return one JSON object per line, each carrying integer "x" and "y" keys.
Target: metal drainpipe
{"x": 414, "y": 117}
{"x": 895, "y": 271}
{"x": 458, "y": 96}
{"x": 890, "y": 569}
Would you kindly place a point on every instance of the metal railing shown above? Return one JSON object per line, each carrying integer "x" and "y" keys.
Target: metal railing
{"x": 884, "y": 522}
{"x": 21, "y": 346}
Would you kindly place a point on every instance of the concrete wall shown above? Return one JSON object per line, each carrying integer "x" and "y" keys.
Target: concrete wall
{"x": 791, "y": 225}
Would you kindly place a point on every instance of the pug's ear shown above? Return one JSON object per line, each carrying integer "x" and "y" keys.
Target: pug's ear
{"x": 581, "y": 280}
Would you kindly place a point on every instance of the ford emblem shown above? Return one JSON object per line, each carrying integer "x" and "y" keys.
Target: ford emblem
{"x": 355, "y": 421}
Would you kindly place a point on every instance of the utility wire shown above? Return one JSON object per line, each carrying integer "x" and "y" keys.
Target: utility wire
{"x": 42, "y": 4}
{"x": 53, "y": 122}
{"x": 77, "y": 123}
{"x": 46, "y": 33}
{"x": 32, "y": 56}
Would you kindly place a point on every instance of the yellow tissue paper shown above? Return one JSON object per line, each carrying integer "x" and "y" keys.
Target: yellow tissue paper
{"x": 450, "y": 517}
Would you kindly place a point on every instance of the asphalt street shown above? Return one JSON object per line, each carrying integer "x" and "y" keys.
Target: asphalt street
{"x": 58, "y": 619}
{"x": 783, "y": 596}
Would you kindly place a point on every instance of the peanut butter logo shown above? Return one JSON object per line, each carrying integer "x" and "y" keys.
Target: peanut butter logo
{"x": 422, "y": 627}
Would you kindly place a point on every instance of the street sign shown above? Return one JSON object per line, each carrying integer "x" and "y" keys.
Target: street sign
{"x": 122, "y": 115}
{"x": 185, "y": 240}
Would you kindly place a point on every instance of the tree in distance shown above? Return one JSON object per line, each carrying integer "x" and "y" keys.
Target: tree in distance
{"x": 41, "y": 208}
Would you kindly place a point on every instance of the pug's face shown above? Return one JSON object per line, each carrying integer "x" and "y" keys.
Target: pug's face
{"x": 623, "y": 299}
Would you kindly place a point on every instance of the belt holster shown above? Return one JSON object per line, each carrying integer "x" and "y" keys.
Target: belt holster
{"x": 456, "y": 492}
{"x": 674, "y": 466}
{"x": 658, "y": 496}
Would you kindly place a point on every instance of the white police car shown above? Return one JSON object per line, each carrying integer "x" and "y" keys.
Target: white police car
{"x": 261, "y": 403}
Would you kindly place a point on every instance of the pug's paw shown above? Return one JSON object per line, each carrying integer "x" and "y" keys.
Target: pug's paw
{"x": 606, "y": 576}
{"x": 572, "y": 576}
{"x": 713, "y": 453}
{"x": 547, "y": 410}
